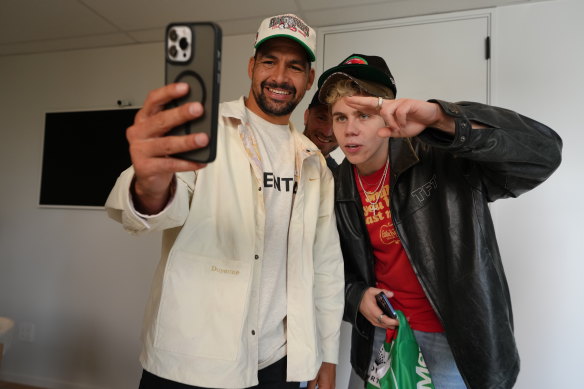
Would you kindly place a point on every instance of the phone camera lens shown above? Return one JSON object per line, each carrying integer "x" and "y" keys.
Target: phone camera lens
{"x": 172, "y": 51}
{"x": 173, "y": 35}
{"x": 183, "y": 43}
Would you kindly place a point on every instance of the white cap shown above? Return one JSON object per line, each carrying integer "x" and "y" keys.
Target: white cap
{"x": 288, "y": 26}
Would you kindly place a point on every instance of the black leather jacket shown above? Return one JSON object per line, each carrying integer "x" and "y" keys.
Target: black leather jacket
{"x": 439, "y": 190}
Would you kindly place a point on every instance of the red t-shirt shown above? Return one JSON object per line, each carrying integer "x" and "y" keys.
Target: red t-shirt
{"x": 393, "y": 270}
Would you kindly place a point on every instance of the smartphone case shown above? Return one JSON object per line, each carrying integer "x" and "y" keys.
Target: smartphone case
{"x": 202, "y": 72}
{"x": 385, "y": 305}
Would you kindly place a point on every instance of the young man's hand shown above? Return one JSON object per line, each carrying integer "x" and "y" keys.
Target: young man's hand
{"x": 369, "y": 308}
{"x": 403, "y": 118}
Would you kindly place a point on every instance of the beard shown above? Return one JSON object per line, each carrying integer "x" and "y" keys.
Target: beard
{"x": 272, "y": 107}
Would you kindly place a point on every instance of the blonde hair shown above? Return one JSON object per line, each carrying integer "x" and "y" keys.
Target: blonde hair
{"x": 342, "y": 88}
{"x": 347, "y": 87}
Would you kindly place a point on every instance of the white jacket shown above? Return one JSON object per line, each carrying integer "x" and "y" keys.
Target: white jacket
{"x": 202, "y": 319}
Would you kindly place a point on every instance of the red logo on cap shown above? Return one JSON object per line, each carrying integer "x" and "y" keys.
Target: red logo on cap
{"x": 355, "y": 61}
{"x": 289, "y": 22}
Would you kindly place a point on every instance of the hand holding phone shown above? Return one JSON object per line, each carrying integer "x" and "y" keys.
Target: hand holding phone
{"x": 385, "y": 305}
{"x": 193, "y": 56}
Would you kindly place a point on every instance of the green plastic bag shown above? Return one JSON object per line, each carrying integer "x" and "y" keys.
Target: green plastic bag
{"x": 400, "y": 364}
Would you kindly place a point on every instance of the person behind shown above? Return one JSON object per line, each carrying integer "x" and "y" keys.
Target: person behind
{"x": 318, "y": 128}
{"x": 249, "y": 289}
{"x": 413, "y": 217}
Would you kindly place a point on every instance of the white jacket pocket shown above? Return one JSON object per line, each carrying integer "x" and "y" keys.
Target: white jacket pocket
{"x": 203, "y": 306}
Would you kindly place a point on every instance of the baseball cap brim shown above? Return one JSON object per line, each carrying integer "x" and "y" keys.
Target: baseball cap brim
{"x": 373, "y": 88}
{"x": 311, "y": 56}
{"x": 361, "y": 72}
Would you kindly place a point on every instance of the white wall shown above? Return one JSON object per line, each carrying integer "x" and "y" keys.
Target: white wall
{"x": 83, "y": 282}
{"x": 538, "y": 62}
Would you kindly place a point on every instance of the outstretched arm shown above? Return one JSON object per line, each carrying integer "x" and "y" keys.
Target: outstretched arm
{"x": 512, "y": 152}
{"x": 404, "y": 117}
{"x": 150, "y": 149}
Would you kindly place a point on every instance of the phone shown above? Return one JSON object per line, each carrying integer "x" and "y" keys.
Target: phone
{"x": 193, "y": 55}
{"x": 385, "y": 305}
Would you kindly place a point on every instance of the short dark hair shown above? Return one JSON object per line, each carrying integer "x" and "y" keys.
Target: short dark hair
{"x": 315, "y": 101}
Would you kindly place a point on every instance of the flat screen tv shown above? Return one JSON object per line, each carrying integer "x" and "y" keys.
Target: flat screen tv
{"x": 83, "y": 154}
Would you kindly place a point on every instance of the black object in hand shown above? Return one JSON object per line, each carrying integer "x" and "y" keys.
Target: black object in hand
{"x": 385, "y": 305}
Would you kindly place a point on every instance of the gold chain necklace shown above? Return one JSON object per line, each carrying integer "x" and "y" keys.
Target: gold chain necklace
{"x": 376, "y": 194}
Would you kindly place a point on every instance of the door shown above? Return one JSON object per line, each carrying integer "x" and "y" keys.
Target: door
{"x": 429, "y": 58}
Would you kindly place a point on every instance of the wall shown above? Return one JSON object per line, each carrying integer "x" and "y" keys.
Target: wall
{"x": 83, "y": 282}
{"x": 537, "y": 67}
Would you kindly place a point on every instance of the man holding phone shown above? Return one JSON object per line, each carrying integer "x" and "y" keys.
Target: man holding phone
{"x": 249, "y": 290}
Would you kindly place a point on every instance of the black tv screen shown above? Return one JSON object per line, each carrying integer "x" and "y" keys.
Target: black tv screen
{"x": 83, "y": 154}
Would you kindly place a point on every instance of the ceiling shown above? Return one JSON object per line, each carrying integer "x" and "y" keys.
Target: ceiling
{"x": 35, "y": 26}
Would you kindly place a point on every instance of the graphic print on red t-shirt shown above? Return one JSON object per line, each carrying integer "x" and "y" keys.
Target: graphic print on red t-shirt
{"x": 393, "y": 270}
